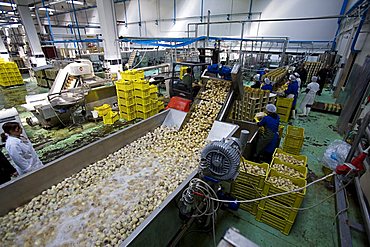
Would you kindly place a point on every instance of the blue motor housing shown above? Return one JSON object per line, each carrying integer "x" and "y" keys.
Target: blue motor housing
{"x": 226, "y": 72}
{"x": 213, "y": 68}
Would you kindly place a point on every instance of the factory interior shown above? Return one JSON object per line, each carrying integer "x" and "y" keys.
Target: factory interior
{"x": 235, "y": 123}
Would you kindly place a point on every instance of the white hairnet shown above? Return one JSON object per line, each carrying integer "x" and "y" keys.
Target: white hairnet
{"x": 267, "y": 81}
{"x": 296, "y": 74}
{"x": 292, "y": 77}
{"x": 314, "y": 78}
{"x": 271, "y": 108}
{"x": 256, "y": 77}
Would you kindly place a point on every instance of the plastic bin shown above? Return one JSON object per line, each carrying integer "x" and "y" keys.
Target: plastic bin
{"x": 128, "y": 116}
{"x": 127, "y": 109}
{"x": 274, "y": 221}
{"x": 278, "y": 209}
{"x": 253, "y": 180}
{"x": 103, "y": 110}
{"x": 142, "y": 93}
{"x": 297, "y": 157}
{"x": 301, "y": 169}
{"x": 142, "y": 101}
{"x": 110, "y": 118}
{"x": 126, "y": 101}
{"x": 144, "y": 108}
{"x": 294, "y": 199}
{"x": 125, "y": 94}
{"x": 124, "y": 86}
{"x": 284, "y": 102}
{"x": 143, "y": 115}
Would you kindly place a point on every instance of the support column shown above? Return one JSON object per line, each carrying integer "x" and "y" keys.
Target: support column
{"x": 3, "y": 51}
{"x": 108, "y": 26}
{"x": 37, "y": 57}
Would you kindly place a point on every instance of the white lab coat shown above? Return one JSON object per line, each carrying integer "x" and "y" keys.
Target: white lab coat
{"x": 309, "y": 99}
{"x": 299, "y": 82}
{"x": 22, "y": 154}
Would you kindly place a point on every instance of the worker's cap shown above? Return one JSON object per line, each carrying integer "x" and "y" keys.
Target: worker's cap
{"x": 271, "y": 108}
{"x": 296, "y": 74}
{"x": 256, "y": 77}
{"x": 267, "y": 81}
{"x": 314, "y": 78}
{"x": 292, "y": 78}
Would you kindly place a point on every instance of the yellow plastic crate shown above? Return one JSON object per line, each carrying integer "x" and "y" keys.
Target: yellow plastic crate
{"x": 142, "y": 101}
{"x": 292, "y": 150}
{"x": 274, "y": 221}
{"x": 252, "y": 207}
{"x": 141, "y": 86}
{"x": 295, "y": 131}
{"x": 126, "y": 101}
{"x": 250, "y": 179}
{"x": 143, "y": 115}
{"x": 139, "y": 74}
{"x": 153, "y": 89}
{"x": 127, "y": 109}
{"x": 278, "y": 209}
{"x": 154, "y": 96}
{"x": 294, "y": 199}
{"x": 153, "y": 111}
{"x": 160, "y": 105}
{"x": 128, "y": 116}
{"x": 245, "y": 191}
{"x": 142, "y": 93}
{"x": 297, "y": 157}
{"x": 124, "y": 86}
{"x": 110, "y": 118}
{"x": 301, "y": 169}
{"x": 144, "y": 108}
{"x": 103, "y": 110}
{"x": 125, "y": 94}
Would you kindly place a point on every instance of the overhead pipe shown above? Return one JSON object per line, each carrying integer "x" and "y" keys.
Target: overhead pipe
{"x": 48, "y": 17}
{"x": 208, "y": 21}
{"x": 174, "y": 11}
{"x": 342, "y": 11}
{"x": 363, "y": 17}
{"x": 76, "y": 19}
{"x": 138, "y": 3}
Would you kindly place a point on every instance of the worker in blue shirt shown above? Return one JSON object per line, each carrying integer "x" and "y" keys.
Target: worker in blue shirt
{"x": 267, "y": 85}
{"x": 292, "y": 92}
{"x": 267, "y": 142}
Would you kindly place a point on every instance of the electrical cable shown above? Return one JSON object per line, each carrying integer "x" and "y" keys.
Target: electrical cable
{"x": 312, "y": 206}
{"x": 278, "y": 194}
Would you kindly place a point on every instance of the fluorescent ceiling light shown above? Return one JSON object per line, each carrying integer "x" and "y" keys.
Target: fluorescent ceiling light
{"x": 7, "y": 4}
{"x": 75, "y": 2}
{"x": 44, "y": 9}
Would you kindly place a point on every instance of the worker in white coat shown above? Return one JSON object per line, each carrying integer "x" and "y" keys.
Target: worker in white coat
{"x": 312, "y": 88}
{"x": 298, "y": 79}
{"x": 19, "y": 148}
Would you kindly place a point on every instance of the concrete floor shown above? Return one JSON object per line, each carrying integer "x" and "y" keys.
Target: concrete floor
{"x": 313, "y": 227}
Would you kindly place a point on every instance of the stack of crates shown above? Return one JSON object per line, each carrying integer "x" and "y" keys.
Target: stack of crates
{"x": 284, "y": 107}
{"x": 105, "y": 111}
{"x": 136, "y": 98}
{"x": 9, "y": 74}
{"x": 254, "y": 101}
{"x": 248, "y": 186}
{"x": 312, "y": 69}
{"x": 276, "y": 75}
{"x": 293, "y": 141}
{"x": 280, "y": 212}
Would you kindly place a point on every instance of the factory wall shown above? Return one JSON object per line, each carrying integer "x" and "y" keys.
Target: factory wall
{"x": 190, "y": 11}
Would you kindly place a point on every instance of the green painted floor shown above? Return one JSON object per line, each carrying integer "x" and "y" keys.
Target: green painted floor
{"x": 313, "y": 227}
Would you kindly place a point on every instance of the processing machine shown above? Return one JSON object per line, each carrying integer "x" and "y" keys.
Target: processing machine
{"x": 66, "y": 98}
{"x": 220, "y": 161}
